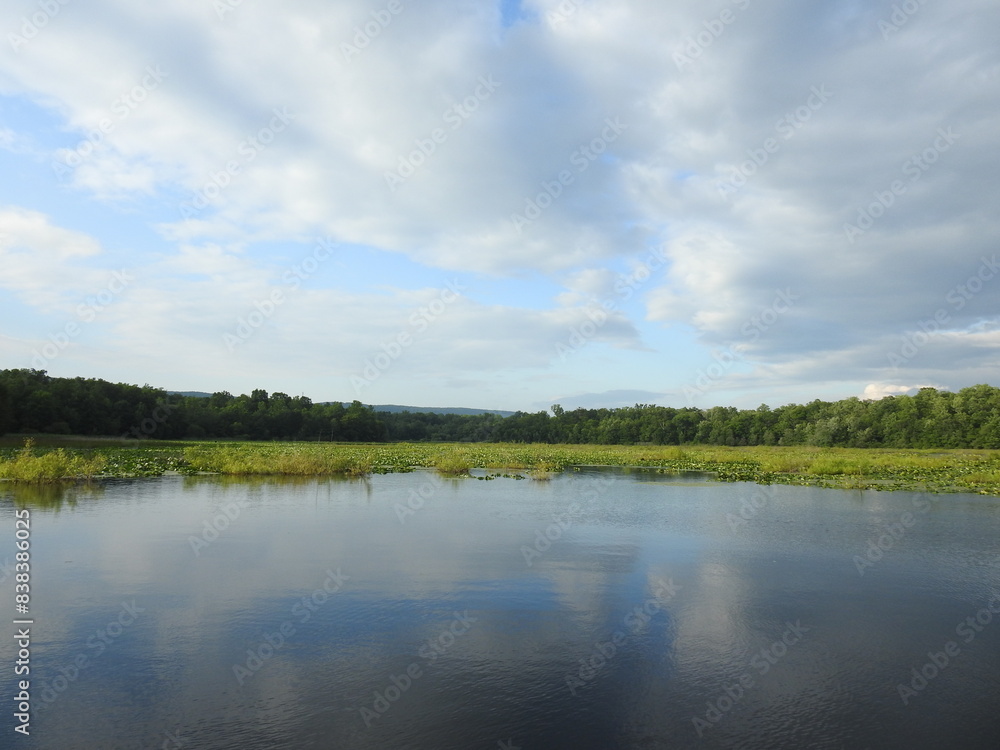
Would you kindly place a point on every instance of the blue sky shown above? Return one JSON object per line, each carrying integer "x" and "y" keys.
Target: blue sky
{"x": 504, "y": 205}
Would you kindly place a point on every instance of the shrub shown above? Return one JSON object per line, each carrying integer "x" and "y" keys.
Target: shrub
{"x": 50, "y": 466}
{"x": 452, "y": 465}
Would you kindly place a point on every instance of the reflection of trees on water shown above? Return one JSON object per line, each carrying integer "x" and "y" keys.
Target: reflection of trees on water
{"x": 54, "y": 495}
{"x": 262, "y": 480}
{"x": 50, "y": 495}
{"x": 255, "y": 484}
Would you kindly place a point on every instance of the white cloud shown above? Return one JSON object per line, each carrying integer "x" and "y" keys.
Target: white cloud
{"x": 41, "y": 262}
{"x": 876, "y": 391}
{"x": 444, "y": 126}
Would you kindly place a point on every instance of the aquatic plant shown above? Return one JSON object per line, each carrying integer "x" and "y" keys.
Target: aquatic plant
{"x": 289, "y": 459}
{"x": 452, "y": 464}
{"x": 957, "y": 470}
{"x": 47, "y": 466}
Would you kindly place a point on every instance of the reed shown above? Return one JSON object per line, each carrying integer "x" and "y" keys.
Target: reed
{"x": 963, "y": 470}
{"x": 452, "y": 464}
{"x": 49, "y": 466}
{"x": 275, "y": 459}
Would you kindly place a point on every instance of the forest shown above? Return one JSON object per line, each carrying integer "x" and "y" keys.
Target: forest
{"x": 32, "y": 402}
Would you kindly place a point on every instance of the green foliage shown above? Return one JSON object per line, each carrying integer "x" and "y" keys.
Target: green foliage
{"x": 963, "y": 470}
{"x": 452, "y": 464}
{"x": 6, "y": 411}
{"x": 47, "y": 466}
{"x": 31, "y": 401}
{"x": 831, "y": 465}
{"x": 276, "y": 458}
{"x": 139, "y": 462}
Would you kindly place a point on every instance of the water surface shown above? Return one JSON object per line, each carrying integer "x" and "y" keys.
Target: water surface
{"x": 601, "y": 609}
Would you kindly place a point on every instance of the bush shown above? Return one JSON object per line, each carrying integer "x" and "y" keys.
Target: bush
{"x": 50, "y": 466}
{"x": 452, "y": 465}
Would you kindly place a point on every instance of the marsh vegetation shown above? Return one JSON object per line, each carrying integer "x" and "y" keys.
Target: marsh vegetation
{"x": 956, "y": 470}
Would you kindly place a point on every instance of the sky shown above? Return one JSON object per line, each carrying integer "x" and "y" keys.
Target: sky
{"x": 503, "y": 205}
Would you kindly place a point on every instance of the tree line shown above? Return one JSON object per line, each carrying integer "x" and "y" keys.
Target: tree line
{"x": 33, "y": 402}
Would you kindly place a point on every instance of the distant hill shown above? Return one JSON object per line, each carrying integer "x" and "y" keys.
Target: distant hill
{"x": 391, "y": 408}
{"x": 395, "y": 409}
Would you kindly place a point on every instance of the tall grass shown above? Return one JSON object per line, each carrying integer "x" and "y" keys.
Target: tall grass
{"x": 833, "y": 465}
{"x": 940, "y": 470}
{"x": 265, "y": 459}
{"x": 50, "y": 466}
{"x": 452, "y": 464}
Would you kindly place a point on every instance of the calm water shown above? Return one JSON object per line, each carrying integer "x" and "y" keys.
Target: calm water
{"x": 595, "y": 610}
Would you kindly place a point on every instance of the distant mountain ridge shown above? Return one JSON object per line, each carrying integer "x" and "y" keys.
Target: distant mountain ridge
{"x": 391, "y": 408}
{"x": 396, "y": 408}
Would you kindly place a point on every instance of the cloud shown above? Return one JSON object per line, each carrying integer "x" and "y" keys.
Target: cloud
{"x": 876, "y": 391}
{"x": 809, "y": 152}
{"x": 16, "y": 143}
{"x": 42, "y": 262}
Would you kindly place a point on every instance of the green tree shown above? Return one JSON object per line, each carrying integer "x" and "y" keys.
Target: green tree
{"x": 6, "y": 413}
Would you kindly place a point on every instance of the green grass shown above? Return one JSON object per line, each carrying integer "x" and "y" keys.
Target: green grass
{"x": 883, "y": 469}
{"x": 27, "y": 465}
{"x": 289, "y": 459}
{"x": 452, "y": 464}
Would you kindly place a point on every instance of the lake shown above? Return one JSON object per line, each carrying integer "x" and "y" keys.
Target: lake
{"x": 598, "y": 609}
